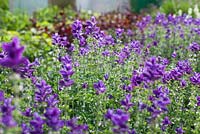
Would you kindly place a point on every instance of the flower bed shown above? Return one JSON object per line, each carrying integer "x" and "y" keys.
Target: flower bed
{"x": 141, "y": 81}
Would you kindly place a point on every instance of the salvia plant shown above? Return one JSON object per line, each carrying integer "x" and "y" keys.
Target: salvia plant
{"x": 123, "y": 81}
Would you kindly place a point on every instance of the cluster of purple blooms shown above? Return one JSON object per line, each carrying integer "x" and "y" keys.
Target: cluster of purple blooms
{"x": 62, "y": 41}
{"x": 182, "y": 67}
{"x": 12, "y": 58}
{"x": 159, "y": 101}
{"x": 153, "y": 70}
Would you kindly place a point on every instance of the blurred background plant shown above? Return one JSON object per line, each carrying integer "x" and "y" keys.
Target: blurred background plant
{"x": 4, "y": 4}
{"x": 179, "y": 6}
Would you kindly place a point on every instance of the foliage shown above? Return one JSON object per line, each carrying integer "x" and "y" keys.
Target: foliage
{"x": 173, "y": 6}
{"x": 4, "y": 4}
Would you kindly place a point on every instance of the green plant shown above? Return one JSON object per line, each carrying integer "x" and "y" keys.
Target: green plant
{"x": 4, "y": 4}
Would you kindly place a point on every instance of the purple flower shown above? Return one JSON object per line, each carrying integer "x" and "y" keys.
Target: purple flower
{"x": 194, "y": 47}
{"x": 52, "y": 118}
{"x": 183, "y": 83}
{"x": 66, "y": 72}
{"x": 77, "y": 28}
{"x": 198, "y": 100}
{"x": 195, "y": 79}
{"x": 141, "y": 106}
{"x": 128, "y": 88}
{"x": 83, "y": 50}
{"x": 152, "y": 70}
{"x": 106, "y": 53}
{"x": 25, "y": 129}
{"x": 159, "y": 101}
{"x": 8, "y": 120}
{"x": 123, "y": 54}
{"x": 119, "y": 32}
{"x": 91, "y": 27}
{"x": 179, "y": 130}
{"x": 129, "y": 32}
{"x": 174, "y": 54}
{"x": 52, "y": 100}
{"x": 75, "y": 128}
{"x": 136, "y": 47}
{"x": 127, "y": 102}
{"x": 60, "y": 41}
{"x": 65, "y": 83}
{"x": 1, "y": 95}
{"x": 56, "y": 39}
{"x": 106, "y": 76}
{"x": 84, "y": 85}
{"x": 119, "y": 119}
{"x": 136, "y": 79}
{"x": 106, "y": 40}
{"x": 44, "y": 90}
{"x": 37, "y": 124}
{"x": 165, "y": 123}
{"x": 13, "y": 54}
{"x": 132, "y": 131}
{"x": 27, "y": 69}
{"x": 27, "y": 112}
{"x": 184, "y": 66}
{"x": 6, "y": 109}
{"x": 99, "y": 87}
{"x": 82, "y": 41}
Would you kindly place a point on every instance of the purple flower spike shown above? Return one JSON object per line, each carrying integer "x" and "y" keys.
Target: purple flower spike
{"x": 13, "y": 54}
{"x": 43, "y": 91}
{"x": 52, "y": 100}
{"x": 52, "y": 118}
{"x": 37, "y": 124}
{"x": 165, "y": 123}
{"x": 77, "y": 28}
{"x": 66, "y": 72}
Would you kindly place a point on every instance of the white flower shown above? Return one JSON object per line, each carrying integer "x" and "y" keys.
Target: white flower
{"x": 180, "y": 12}
{"x": 190, "y": 11}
